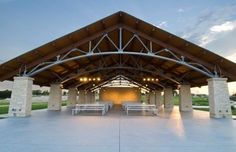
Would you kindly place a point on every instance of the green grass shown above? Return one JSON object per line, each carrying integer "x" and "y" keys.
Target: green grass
{"x": 4, "y": 102}
{"x": 197, "y": 101}
{"x": 200, "y": 101}
{"x": 176, "y": 100}
{"x": 207, "y": 109}
{"x": 35, "y": 106}
{"x": 4, "y": 110}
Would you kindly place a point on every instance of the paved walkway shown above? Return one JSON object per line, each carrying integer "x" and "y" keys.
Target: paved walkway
{"x": 48, "y": 131}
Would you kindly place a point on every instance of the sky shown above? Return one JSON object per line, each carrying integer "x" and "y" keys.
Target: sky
{"x": 27, "y": 24}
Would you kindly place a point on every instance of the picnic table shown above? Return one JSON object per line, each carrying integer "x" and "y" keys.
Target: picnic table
{"x": 140, "y": 107}
{"x": 90, "y": 107}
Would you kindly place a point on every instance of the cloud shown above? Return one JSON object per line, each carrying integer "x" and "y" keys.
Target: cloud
{"x": 227, "y": 26}
{"x": 163, "y": 24}
{"x": 207, "y": 19}
{"x": 214, "y": 30}
{"x": 180, "y": 10}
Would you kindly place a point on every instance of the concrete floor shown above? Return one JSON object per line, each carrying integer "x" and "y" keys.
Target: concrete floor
{"x": 48, "y": 131}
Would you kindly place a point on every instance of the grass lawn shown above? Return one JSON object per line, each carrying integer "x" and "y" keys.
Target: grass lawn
{"x": 197, "y": 101}
{"x": 35, "y": 106}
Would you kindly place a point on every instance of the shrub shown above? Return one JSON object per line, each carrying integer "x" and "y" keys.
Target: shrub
{"x": 5, "y": 94}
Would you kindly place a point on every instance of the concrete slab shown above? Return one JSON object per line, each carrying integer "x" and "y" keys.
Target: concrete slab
{"x": 59, "y": 131}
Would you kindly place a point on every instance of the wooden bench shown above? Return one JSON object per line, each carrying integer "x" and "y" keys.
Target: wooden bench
{"x": 125, "y": 103}
{"x": 108, "y": 103}
{"x": 141, "y": 107}
{"x": 89, "y": 107}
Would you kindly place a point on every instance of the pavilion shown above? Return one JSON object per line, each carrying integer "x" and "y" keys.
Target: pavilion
{"x": 124, "y": 47}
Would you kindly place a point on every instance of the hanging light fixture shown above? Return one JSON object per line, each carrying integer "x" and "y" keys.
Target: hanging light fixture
{"x": 85, "y": 79}
{"x": 150, "y": 79}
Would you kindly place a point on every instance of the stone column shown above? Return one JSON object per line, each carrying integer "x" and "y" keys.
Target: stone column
{"x": 21, "y": 98}
{"x": 168, "y": 98}
{"x": 158, "y": 98}
{"x": 81, "y": 96}
{"x": 152, "y": 97}
{"x": 219, "y": 98}
{"x": 72, "y": 97}
{"x": 55, "y": 97}
{"x": 88, "y": 97}
{"x": 185, "y": 98}
{"x": 147, "y": 98}
{"x": 92, "y": 97}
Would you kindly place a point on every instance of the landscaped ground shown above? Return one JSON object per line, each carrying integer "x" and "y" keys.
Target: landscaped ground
{"x": 197, "y": 101}
{"x": 4, "y": 105}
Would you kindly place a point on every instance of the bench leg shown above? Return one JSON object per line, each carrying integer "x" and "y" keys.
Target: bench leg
{"x": 103, "y": 112}
{"x": 155, "y": 112}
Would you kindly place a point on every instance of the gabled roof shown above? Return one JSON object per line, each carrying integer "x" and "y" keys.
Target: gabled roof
{"x": 161, "y": 39}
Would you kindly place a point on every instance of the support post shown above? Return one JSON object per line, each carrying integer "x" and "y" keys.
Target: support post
{"x": 158, "y": 98}
{"x": 72, "y": 97}
{"x": 81, "y": 96}
{"x": 55, "y": 97}
{"x": 21, "y": 98}
{"x": 168, "y": 98}
{"x": 92, "y": 97}
{"x": 88, "y": 97}
{"x": 185, "y": 102}
{"x": 152, "y": 97}
{"x": 219, "y": 98}
{"x": 120, "y": 40}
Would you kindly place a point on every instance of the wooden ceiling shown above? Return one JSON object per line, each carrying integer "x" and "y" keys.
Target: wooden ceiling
{"x": 151, "y": 67}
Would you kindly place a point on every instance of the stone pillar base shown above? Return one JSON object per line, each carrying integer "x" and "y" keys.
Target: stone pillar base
{"x": 21, "y": 98}
{"x": 81, "y": 96}
{"x": 92, "y": 97}
{"x": 168, "y": 98}
{"x": 185, "y": 97}
{"x": 152, "y": 97}
{"x": 55, "y": 96}
{"x": 88, "y": 97}
{"x": 72, "y": 98}
{"x": 219, "y": 98}
{"x": 158, "y": 98}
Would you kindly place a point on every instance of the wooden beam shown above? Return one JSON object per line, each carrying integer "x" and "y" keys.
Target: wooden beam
{"x": 61, "y": 51}
{"x": 176, "y": 50}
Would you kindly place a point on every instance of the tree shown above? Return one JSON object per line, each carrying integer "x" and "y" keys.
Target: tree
{"x": 37, "y": 92}
{"x": 233, "y": 97}
{"x": 5, "y": 94}
{"x": 45, "y": 93}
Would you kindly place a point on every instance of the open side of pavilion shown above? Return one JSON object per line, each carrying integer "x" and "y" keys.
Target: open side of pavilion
{"x": 125, "y": 46}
